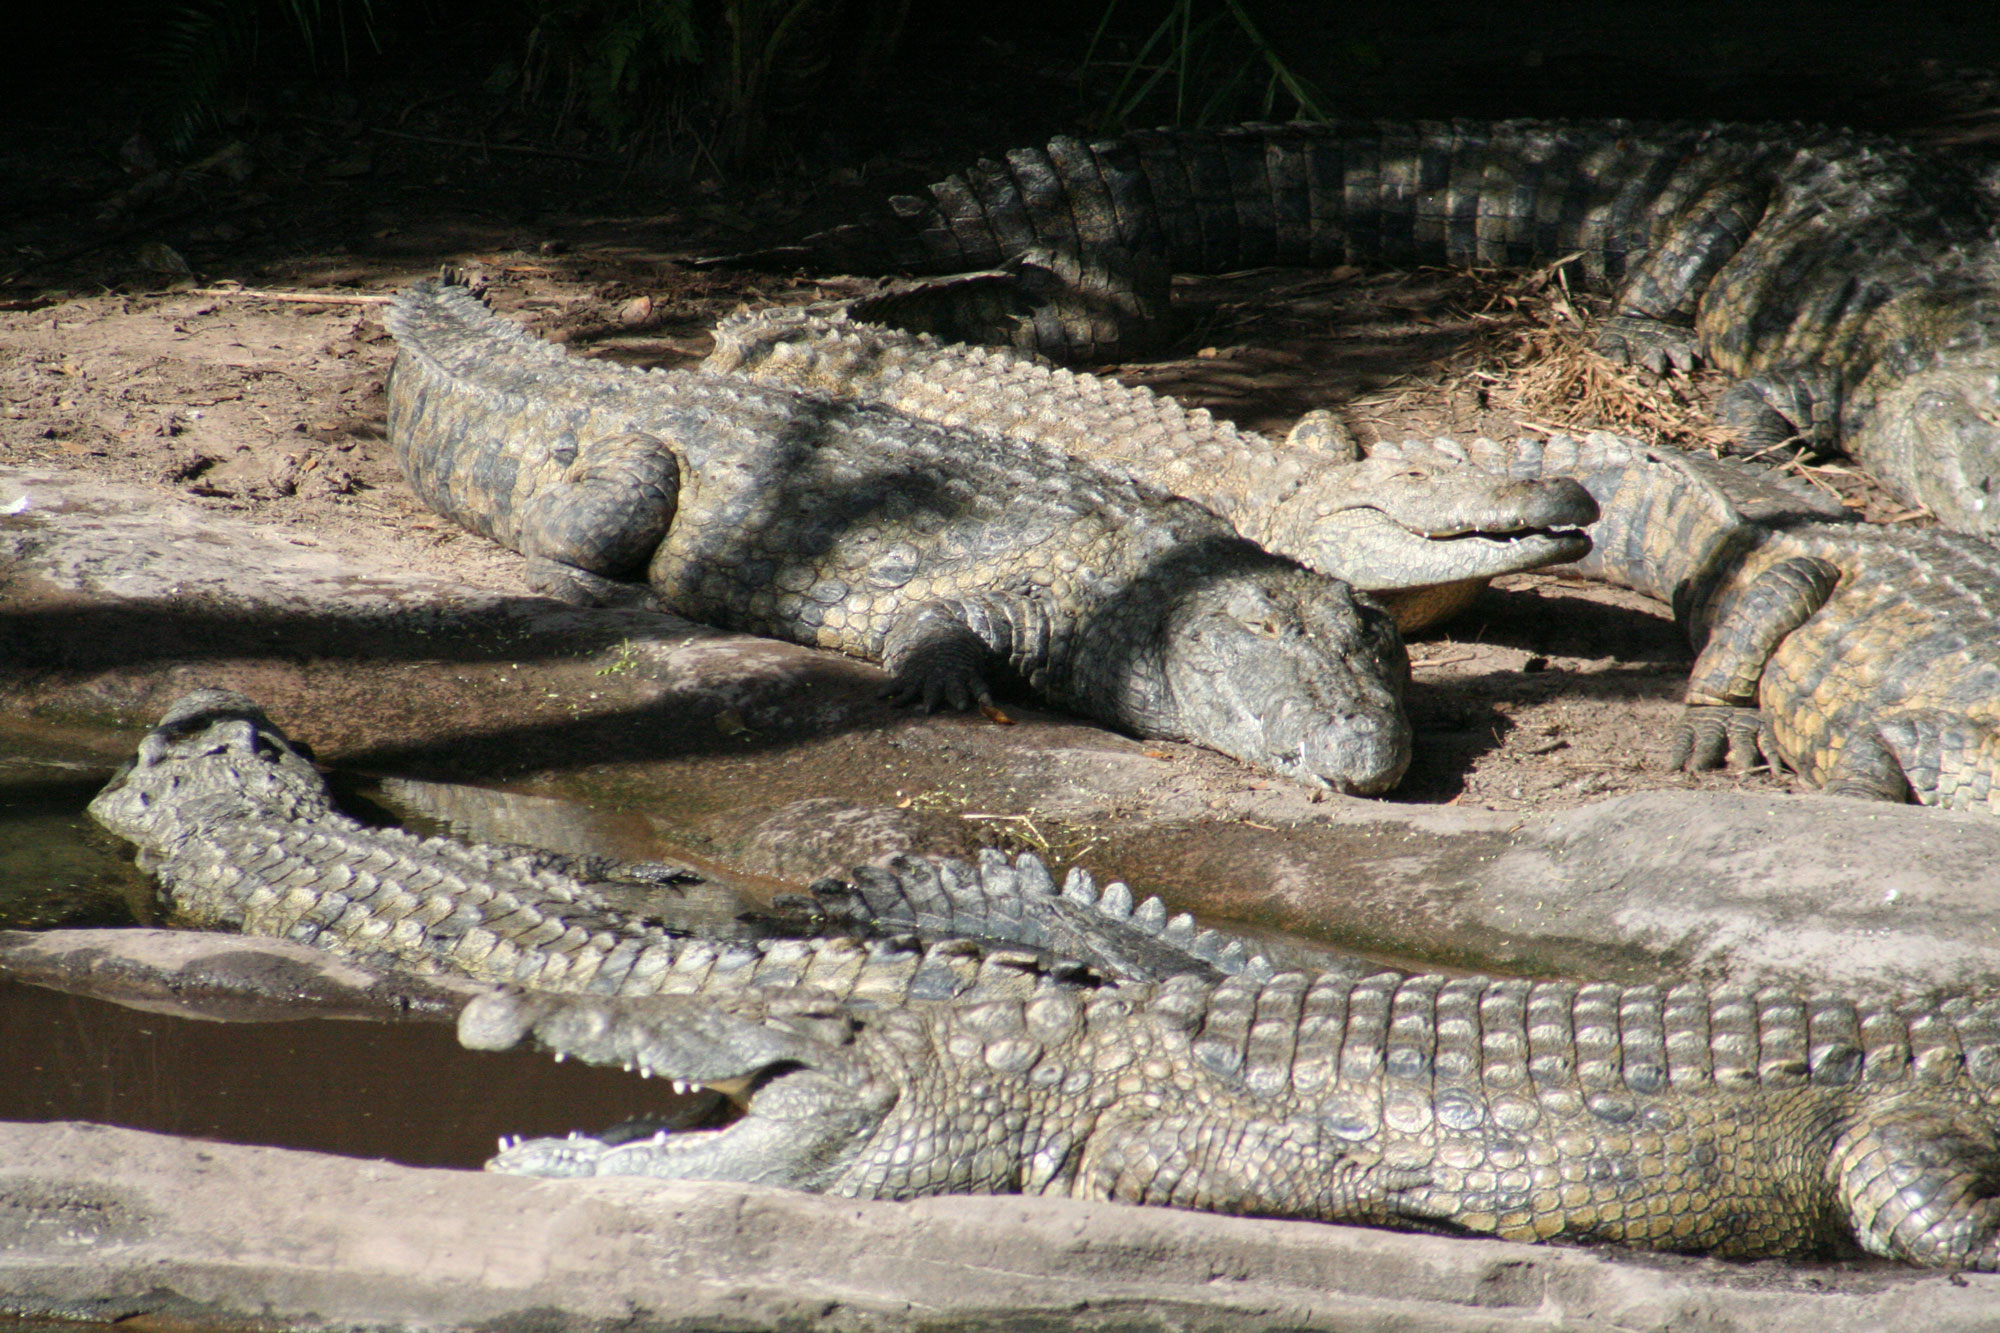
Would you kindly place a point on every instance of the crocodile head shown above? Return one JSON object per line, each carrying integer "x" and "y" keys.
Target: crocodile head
{"x": 1404, "y": 523}
{"x": 1934, "y": 437}
{"x": 213, "y": 757}
{"x": 1405, "y": 528}
{"x": 812, "y": 1101}
{"x": 1265, "y": 661}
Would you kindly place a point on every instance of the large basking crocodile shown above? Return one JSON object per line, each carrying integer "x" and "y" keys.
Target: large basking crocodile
{"x": 1848, "y": 282}
{"x": 947, "y": 555}
{"x": 1674, "y": 1118}
{"x": 1865, "y": 658}
{"x": 1421, "y": 540}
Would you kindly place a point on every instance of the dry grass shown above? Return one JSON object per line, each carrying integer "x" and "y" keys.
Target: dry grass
{"x": 1539, "y": 364}
{"x": 1534, "y": 361}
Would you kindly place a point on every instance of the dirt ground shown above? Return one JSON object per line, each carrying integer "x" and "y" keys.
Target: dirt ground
{"x": 214, "y": 332}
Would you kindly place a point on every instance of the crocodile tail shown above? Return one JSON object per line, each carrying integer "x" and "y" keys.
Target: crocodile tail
{"x": 1019, "y": 903}
{"x": 1213, "y": 200}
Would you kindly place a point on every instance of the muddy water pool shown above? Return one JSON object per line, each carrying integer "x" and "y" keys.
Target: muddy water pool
{"x": 404, "y": 1091}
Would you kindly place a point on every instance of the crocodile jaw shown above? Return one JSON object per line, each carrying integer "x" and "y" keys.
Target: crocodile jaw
{"x": 813, "y": 1104}
{"x": 1393, "y": 522}
{"x": 1378, "y": 553}
{"x": 802, "y": 1130}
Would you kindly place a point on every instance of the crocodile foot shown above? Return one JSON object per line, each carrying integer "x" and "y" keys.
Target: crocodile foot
{"x": 1634, "y": 340}
{"x": 1709, "y": 736}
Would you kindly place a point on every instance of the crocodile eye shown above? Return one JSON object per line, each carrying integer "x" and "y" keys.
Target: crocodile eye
{"x": 1267, "y": 628}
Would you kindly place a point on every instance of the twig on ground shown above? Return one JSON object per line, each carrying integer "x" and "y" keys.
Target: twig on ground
{"x": 297, "y": 298}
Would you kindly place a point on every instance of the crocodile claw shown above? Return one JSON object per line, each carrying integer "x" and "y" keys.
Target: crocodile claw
{"x": 1712, "y": 736}
{"x": 1635, "y": 340}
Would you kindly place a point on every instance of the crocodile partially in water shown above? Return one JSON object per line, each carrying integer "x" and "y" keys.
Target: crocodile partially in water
{"x": 952, "y": 557}
{"x": 1847, "y": 281}
{"x": 1670, "y": 1117}
{"x": 1866, "y": 658}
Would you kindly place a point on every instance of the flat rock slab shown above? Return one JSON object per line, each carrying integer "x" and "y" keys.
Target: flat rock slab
{"x": 106, "y": 1223}
{"x": 1816, "y": 892}
{"x": 228, "y": 978}
{"x": 661, "y": 737}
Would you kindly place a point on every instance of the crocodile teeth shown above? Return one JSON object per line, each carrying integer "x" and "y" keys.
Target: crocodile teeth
{"x": 683, "y": 1087}
{"x": 645, "y": 1071}
{"x": 561, "y": 1056}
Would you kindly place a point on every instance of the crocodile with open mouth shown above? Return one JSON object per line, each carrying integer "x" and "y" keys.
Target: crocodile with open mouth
{"x": 1730, "y": 1122}
{"x": 1421, "y": 540}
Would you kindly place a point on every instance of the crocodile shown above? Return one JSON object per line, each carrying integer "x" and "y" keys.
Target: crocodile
{"x": 242, "y": 833}
{"x": 1866, "y": 658}
{"x": 1422, "y": 541}
{"x": 953, "y": 558}
{"x": 1846, "y": 281}
{"x": 1737, "y": 1123}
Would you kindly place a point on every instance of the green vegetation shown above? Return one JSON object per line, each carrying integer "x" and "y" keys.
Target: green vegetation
{"x": 1206, "y": 62}
{"x": 724, "y": 80}
{"x": 201, "y": 48}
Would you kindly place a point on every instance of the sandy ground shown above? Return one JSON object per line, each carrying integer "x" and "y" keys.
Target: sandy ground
{"x": 213, "y": 332}
{"x": 266, "y": 403}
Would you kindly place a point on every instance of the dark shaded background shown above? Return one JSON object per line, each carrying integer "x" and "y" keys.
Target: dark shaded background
{"x": 1450, "y": 57}
{"x": 337, "y": 149}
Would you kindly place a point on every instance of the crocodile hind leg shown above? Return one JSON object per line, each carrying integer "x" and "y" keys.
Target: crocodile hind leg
{"x": 602, "y": 520}
{"x": 1722, "y": 722}
{"x": 1928, "y": 755}
{"x": 1786, "y": 405}
{"x": 1922, "y": 1183}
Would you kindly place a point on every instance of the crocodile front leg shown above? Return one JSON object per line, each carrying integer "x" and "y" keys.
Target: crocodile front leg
{"x": 1653, "y": 322}
{"x": 1927, "y": 754}
{"x": 1722, "y": 722}
{"x": 1921, "y": 1183}
{"x": 1786, "y": 405}
{"x": 945, "y": 652}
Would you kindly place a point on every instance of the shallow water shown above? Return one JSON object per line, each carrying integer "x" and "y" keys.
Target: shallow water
{"x": 56, "y": 867}
{"x": 404, "y": 1091}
